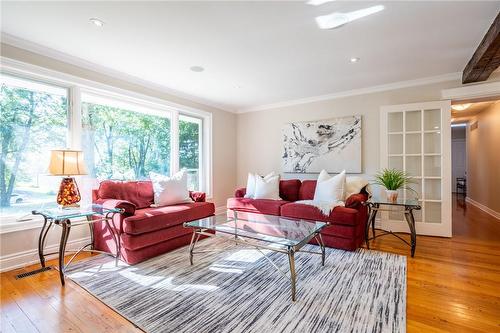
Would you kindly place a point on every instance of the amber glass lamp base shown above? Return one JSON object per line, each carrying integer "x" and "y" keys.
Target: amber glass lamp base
{"x": 68, "y": 195}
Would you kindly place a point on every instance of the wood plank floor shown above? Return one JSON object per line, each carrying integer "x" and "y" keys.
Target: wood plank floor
{"x": 453, "y": 286}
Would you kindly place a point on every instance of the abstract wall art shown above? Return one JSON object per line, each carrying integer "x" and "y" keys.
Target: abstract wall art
{"x": 333, "y": 145}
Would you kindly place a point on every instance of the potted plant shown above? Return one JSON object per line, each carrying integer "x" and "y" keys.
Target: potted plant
{"x": 393, "y": 180}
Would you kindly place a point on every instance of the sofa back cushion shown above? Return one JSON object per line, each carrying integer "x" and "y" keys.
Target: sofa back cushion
{"x": 307, "y": 189}
{"x": 289, "y": 189}
{"x": 140, "y": 193}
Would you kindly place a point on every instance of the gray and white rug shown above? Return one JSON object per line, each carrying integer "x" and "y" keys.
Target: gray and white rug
{"x": 237, "y": 290}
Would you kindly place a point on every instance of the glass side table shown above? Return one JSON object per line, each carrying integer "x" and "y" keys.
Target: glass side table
{"x": 409, "y": 205}
{"x": 87, "y": 215}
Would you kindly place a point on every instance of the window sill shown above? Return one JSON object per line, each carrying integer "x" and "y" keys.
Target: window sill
{"x": 13, "y": 226}
{"x": 35, "y": 223}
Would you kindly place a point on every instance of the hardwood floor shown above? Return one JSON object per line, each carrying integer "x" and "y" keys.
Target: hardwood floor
{"x": 453, "y": 286}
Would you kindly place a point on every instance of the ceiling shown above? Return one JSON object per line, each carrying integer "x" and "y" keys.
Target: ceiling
{"x": 471, "y": 111}
{"x": 257, "y": 53}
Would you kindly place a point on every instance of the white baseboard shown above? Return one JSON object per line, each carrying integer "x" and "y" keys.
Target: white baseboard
{"x": 30, "y": 257}
{"x": 483, "y": 208}
{"x": 220, "y": 210}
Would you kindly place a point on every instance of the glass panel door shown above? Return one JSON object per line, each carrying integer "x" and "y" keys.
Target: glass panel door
{"x": 415, "y": 139}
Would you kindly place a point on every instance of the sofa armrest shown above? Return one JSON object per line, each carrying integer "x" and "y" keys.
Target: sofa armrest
{"x": 127, "y": 206}
{"x": 356, "y": 200}
{"x": 240, "y": 192}
{"x": 197, "y": 196}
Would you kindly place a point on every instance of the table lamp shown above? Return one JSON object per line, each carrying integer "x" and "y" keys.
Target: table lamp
{"x": 67, "y": 163}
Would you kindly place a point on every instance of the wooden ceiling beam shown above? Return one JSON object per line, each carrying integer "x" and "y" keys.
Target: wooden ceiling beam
{"x": 487, "y": 56}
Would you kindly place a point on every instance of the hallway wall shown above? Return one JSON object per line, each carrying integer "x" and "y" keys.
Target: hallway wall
{"x": 483, "y": 162}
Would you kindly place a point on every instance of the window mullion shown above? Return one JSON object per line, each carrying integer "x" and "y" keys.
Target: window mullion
{"x": 75, "y": 118}
{"x": 174, "y": 142}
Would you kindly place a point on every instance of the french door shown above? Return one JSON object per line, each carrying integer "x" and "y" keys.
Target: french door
{"x": 416, "y": 138}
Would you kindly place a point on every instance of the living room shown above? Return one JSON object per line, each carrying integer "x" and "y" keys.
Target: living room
{"x": 317, "y": 138}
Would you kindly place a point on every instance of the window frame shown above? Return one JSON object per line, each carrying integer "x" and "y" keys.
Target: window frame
{"x": 77, "y": 86}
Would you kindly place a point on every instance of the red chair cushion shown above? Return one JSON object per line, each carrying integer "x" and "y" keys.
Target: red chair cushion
{"x": 128, "y": 207}
{"x": 140, "y": 193}
{"x": 135, "y": 242}
{"x": 307, "y": 189}
{"x": 262, "y": 206}
{"x": 289, "y": 189}
{"x": 356, "y": 200}
{"x": 151, "y": 219}
{"x": 339, "y": 215}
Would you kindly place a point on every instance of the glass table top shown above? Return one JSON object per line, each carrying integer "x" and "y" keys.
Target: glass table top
{"x": 268, "y": 228}
{"x": 75, "y": 212}
{"x": 400, "y": 201}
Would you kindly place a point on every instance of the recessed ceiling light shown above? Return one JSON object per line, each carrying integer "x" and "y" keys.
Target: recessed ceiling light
{"x": 337, "y": 19}
{"x": 96, "y": 22}
{"x": 354, "y": 59}
{"x": 461, "y": 107}
{"x": 197, "y": 69}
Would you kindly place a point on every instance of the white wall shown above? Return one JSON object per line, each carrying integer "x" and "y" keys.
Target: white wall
{"x": 259, "y": 146}
{"x": 483, "y": 176}
{"x": 17, "y": 247}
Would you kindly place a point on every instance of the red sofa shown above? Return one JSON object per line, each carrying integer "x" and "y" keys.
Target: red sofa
{"x": 145, "y": 232}
{"x": 346, "y": 225}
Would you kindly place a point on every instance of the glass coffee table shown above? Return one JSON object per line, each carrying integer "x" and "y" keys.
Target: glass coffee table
{"x": 274, "y": 233}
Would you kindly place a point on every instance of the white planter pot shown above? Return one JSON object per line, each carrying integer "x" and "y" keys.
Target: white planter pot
{"x": 392, "y": 196}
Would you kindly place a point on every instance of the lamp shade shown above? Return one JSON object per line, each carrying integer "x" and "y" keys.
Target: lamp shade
{"x": 65, "y": 162}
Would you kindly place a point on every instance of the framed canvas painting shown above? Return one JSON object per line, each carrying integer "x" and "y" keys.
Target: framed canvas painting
{"x": 333, "y": 145}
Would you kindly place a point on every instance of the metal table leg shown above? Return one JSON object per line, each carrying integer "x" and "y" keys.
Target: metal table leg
{"x": 319, "y": 240}
{"x": 291, "y": 260}
{"x": 410, "y": 219}
{"x": 116, "y": 237}
{"x": 66, "y": 227}
{"x": 194, "y": 240}
{"x": 373, "y": 210}
{"x": 41, "y": 240}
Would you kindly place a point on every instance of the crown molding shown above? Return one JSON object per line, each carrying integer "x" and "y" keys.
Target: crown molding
{"x": 355, "y": 92}
{"x": 79, "y": 62}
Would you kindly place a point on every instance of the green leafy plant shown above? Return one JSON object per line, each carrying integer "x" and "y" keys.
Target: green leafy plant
{"x": 393, "y": 179}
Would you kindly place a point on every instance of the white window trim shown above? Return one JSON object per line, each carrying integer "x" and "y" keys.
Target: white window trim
{"x": 76, "y": 86}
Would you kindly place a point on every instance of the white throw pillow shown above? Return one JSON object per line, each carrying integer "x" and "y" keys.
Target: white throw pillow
{"x": 250, "y": 191}
{"x": 330, "y": 189}
{"x": 353, "y": 185}
{"x": 267, "y": 188}
{"x": 170, "y": 190}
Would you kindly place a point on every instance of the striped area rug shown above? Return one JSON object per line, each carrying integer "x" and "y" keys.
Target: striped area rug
{"x": 237, "y": 290}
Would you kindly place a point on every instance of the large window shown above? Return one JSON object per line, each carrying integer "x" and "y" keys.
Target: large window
{"x": 124, "y": 136}
{"x": 33, "y": 120}
{"x": 124, "y": 144}
{"x": 190, "y": 149}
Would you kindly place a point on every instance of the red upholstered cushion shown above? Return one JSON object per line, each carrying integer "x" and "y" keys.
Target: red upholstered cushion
{"x": 135, "y": 242}
{"x": 140, "y": 193}
{"x": 307, "y": 189}
{"x": 128, "y": 207}
{"x": 339, "y": 215}
{"x": 262, "y": 206}
{"x": 240, "y": 192}
{"x": 289, "y": 189}
{"x": 356, "y": 200}
{"x": 150, "y": 219}
{"x": 197, "y": 196}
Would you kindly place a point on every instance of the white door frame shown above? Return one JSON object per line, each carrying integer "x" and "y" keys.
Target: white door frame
{"x": 444, "y": 228}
